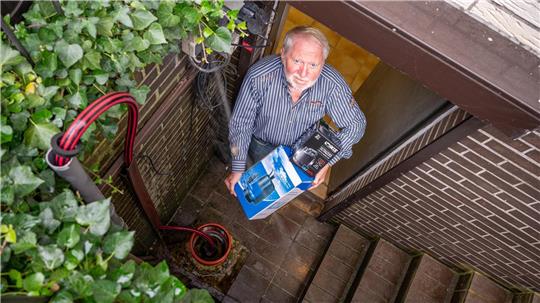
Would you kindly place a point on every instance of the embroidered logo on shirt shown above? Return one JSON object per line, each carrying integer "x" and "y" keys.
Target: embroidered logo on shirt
{"x": 315, "y": 103}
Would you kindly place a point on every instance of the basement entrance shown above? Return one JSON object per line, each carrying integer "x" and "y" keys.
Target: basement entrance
{"x": 395, "y": 105}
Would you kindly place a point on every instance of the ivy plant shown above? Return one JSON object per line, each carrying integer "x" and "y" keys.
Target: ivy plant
{"x": 51, "y": 243}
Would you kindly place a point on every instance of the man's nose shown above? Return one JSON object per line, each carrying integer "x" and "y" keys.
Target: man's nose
{"x": 303, "y": 70}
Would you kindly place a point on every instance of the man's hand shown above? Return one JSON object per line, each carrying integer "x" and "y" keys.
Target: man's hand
{"x": 320, "y": 176}
{"x": 231, "y": 180}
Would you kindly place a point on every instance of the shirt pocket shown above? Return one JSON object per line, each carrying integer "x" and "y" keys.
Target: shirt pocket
{"x": 313, "y": 112}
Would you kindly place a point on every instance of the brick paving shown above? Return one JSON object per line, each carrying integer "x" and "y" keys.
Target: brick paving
{"x": 284, "y": 249}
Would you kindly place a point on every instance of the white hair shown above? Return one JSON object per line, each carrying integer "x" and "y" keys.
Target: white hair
{"x": 309, "y": 32}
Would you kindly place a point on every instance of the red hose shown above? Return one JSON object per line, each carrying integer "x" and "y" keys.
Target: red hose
{"x": 193, "y": 230}
{"x": 73, "y": 134}
{"x": 75, "y": 131}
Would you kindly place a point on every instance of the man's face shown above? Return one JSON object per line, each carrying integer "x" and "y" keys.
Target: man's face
{"x": 303, "y": 62}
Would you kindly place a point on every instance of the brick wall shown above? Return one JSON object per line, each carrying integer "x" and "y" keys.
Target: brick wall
{"x": 179, "y": 141}
{"x": 474, "y": 205}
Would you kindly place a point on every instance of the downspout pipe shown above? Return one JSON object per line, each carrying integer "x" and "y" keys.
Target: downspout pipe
{"x": 73, "y": 172}
{"x": 61, "y": 157}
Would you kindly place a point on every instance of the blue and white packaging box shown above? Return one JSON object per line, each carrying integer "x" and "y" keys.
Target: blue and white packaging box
{"x": 270, "y": 183}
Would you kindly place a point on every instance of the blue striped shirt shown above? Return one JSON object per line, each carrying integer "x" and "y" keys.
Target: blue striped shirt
{"x": 265, "y": 109}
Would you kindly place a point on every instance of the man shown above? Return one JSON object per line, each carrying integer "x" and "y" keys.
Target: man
{"x": 283, "y": 96}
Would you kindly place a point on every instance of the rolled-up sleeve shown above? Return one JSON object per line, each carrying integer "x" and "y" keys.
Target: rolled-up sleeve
{"x": 242, "y": 123}
{"x": 346, "y": 114}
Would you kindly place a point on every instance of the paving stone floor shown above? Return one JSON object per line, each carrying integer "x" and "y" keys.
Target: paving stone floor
{"x": 284, "y": 249}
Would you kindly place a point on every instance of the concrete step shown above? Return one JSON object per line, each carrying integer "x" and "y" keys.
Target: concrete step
{"x": 462, "y": 287}
{"x": 526, "y": 298}
{"x": 381, "y": 278}
{"x": 483, "y": 290}
{"x": 428, "y": 281}
{"x": 338, "y": 267}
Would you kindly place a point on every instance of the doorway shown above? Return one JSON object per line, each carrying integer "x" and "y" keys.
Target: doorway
{"x": 395, "y": 105}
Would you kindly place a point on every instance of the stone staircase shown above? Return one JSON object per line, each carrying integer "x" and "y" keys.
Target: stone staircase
{"x": 355, "y": 269}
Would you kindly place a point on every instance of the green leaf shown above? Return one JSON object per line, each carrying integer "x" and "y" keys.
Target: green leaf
{"x": 41, "y": 116}
{"x": 137, "y": 44}
{"x": 48, "y": 64}
{"x": 63, "y": 296}
{"x": 46, "y": 35}
{"x": 76, "y": 75}
{"x": 51, "y": 256}
{"x": 221, "y": 40}
{"x": 64, "y": 206}
{"x": 191, "y": 16}
{"x": 124, "y": 274}
{"x": 19, "y": 120}
{"x": 155, "y": 34}
{"x": 142, "y": 19}
{"x": 207, "y": 32}
{"x": 92, "y": 60}
{"x": 119, "y": 243}
{"x": 48, "y": 221}
{"x": 76, "y": 101}
{"x": 127, "y": 296}
{"x": 47, "y": 92}
{"x": 24, "y": 180}
{"x": 7, "y": 193}
{"x": 96, "y": 215}
{"x": 25, "y": 241}
{"x": 100, "y": 228}
{"x": 93, "y": 212}
{"x": 9, "y": 56}
{"x": 140, "y": 93}
{"x": 242, "y": 25}
{"x": 6, "y": 133}
{"x": 59, "y": 274}
{"x": 6, "y": 255}
{"x": 11, "y": 236}
{"x": 39, "y": 135}
{"x": 46, "y": 175}
{"x": 198, "y": 295}
{"x": 73, "y": 259}
{"x": 69, "y": 236}
{"x": 158, "y": 274}
{"x": 16, "y": 277}
{"x": 72, "y": 9}
{"x": 80, "y": 284}
{"x": 34, "y": 100}
{"x": 90, "y": 26}
{"x": 232, "y": 14}
{"x": 199, "y": 40}
{"x": 122, "y": 15}
{"x": 105, "y": 26}
{"x": 231, "y": 25}
{"x": 170, "y": 291}
{"x": 101, "y": 77}
{"x": 165, "y": 14}
{"x": 69, "y": 54}
{"x": 21, "y": 221}
{"x": 33, "y": 282}
{"x": 105, "y": 291}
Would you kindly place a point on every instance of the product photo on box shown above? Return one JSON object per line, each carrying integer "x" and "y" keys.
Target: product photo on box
{"x": 270, "y": 184}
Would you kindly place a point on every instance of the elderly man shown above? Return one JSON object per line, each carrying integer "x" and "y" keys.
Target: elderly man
{"x": 283, "y": 96}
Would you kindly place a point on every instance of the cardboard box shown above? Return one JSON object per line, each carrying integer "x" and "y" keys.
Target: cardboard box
{"x": 315, "y": 148}
{"x": 270, "y": 184}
